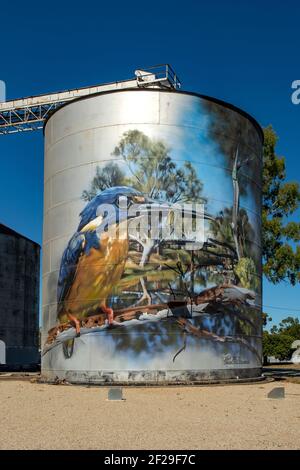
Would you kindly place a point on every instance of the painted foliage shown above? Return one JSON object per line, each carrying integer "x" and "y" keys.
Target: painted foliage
{"x": 147, "y": 302}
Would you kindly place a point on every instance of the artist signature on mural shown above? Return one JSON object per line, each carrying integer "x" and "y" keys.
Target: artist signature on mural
{"x": 230, "y": 359}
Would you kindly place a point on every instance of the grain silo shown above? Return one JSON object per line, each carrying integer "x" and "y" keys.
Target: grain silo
{"x": 19, "y": 300}
{"x": 151, "y": 308}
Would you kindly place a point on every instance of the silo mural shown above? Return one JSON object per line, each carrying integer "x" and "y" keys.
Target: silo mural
{"x": 152, "y": 258}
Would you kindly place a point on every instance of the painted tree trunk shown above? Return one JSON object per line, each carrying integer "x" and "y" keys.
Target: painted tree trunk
{"x": 235, "y": 207}
{"x": 148, "y": 246}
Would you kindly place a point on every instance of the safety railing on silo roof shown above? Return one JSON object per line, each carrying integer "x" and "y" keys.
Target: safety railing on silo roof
{"x": 161, "y": 72}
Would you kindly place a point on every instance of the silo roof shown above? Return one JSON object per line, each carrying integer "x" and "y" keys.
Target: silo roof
{"x": 164, "y": 90}
{"x": 9, "y": 231}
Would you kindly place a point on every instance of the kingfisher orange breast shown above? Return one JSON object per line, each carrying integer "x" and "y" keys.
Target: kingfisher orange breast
{"x": 96, "y": 275}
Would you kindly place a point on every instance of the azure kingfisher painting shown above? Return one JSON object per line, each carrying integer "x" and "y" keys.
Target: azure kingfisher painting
{"x": 94, "y": 260}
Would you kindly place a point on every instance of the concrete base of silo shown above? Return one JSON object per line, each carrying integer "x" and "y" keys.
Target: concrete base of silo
{"x": 154, "y": 377}
{"x": 96, "y": 359}
{"x": 98, "y": 356}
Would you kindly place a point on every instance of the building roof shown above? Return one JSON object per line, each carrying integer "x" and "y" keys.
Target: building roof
{"x": 8, "y": 231}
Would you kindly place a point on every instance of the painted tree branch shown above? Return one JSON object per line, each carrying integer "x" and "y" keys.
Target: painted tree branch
{"x": 225, "y": 294}
{"x": 188, "y": 327}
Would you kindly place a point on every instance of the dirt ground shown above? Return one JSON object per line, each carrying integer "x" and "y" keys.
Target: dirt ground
{"x": 42, "y": 416}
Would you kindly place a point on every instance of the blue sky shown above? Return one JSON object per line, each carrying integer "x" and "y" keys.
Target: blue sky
{"x": 243, "y": 52}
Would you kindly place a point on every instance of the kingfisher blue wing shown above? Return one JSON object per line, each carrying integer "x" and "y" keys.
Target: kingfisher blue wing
{"x": 68, "y": 265}
{"x": 89, "y": 212}
{"x": 108, "y": 196}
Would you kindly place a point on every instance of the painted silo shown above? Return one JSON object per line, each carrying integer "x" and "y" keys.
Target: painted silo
{"x": 131, "y": 292}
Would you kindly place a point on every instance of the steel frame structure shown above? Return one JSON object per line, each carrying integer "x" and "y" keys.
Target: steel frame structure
{"x": 29, "y": 114}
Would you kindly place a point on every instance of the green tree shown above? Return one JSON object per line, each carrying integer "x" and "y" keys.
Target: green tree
{"x": 106, "y": 177}
{"x": 247, "y": 268}
{"x": 221, "y": 228}
{"x": 278, "y": 341}
{"x": 281, "y": 250}
{"x": 154, "y": 172}
{"x": 289, "y": 326}
{"x": 246, "y": 272}
{"x": 151, "y": 171}
{"x": 240, "y": 146}
{"x": 277, "y": 345}
{"x": 266, "y": 318}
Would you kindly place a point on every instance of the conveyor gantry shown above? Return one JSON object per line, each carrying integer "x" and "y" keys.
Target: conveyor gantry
{"x": 29, "y": 114}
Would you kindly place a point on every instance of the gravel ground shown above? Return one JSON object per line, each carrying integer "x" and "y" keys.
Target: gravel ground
{"x": 42, "y": 416}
